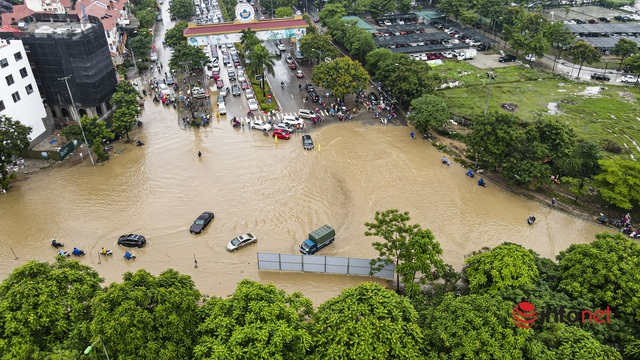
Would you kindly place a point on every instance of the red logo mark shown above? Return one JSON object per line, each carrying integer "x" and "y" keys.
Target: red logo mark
{"x": 524, "y": 314}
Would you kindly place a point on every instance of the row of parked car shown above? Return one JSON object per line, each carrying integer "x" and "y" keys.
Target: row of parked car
{"x": 457, "y": 34}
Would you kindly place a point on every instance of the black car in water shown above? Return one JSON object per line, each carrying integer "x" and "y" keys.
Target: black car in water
{"x": 313, "y": 96}
{"x": 307, "y": 142}
{"x": 201, "y": 222}
{"x": 373, "y": 98}
{"x": 132, "y": 240}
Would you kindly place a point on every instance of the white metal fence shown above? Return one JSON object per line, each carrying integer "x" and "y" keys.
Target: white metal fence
{"x": 321, "y": 264}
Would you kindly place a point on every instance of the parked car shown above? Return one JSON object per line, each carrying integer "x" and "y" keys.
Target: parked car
{"x": 530, "y": 57}
{"x": 483, "y": 47}
{"x": 241, "y": 241}
{"x": 170, "y": 80}
{"x": 373, "y": 98}
{"x": 281, "y": 47}
{"x": 201, "y": 222}
{"x": 604, "y": 19}
{"x": 308, "y": 87}
{"x": 249, "y": 94}
{"x": 299, "y": 74}
{"x": 289, "y": 59}
{"x": 307, "y": 142}
{"x": 132, "y": 240}
{"x": 507, "y": 58}
{"x": 215, "y": 74}
{"x": 253, "y": 105}
{"x": 292, "y": 66}
{"x": 260, "y": 125}
{"x": 153, "y": 56}
{"x": 600, "y": 76}
{"x": 281, "y": 134}
{"x": 241, "y": 77}
{"x": 235, "y": 90}
{"x": 244, "y": 85}
{"x": 219, "y": 83}
{"x": 232, "y": 75}
{"x": 629, "y": 79}
{"x": 220, "y": 99}
{"x": 224, "y": 91}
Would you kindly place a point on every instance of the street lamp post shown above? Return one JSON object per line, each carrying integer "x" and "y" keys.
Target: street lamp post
{"x": 135, "y": 66}
{"x": 73, "y": 108}
{"x": 90, "y": 347}
{"x": 491, "y": 76}
{"x": 320, "y": 58}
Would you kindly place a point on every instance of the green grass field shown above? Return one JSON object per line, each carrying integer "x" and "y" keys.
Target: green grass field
{"x": 611, "y": 113}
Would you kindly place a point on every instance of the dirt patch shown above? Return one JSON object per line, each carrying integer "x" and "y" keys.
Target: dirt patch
{"x": 509, "y": 107}
{"x": 627, "y": 97}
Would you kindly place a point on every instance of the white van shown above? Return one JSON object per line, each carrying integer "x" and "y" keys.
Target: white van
{"x": 164, "y": 89}
{"x": 306, "y": 114}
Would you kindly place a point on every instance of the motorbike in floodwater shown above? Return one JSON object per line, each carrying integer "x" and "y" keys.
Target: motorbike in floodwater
{"x": 531, "y": 219}
{"x": 56, "y": 244}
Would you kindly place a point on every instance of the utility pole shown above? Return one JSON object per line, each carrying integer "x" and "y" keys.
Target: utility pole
{"x": 491, "y": 76}
{"x": 73, "y": 108}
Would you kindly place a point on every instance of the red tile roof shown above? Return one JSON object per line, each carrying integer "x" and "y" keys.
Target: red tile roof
{"x": 99, "y": 9}
{"x": 19, "y": 12}
{"x": 262, "y": 25}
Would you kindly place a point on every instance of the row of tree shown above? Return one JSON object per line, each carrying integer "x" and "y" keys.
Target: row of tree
{"x": 377, "y": 8}
{"x": 53, "y": 311}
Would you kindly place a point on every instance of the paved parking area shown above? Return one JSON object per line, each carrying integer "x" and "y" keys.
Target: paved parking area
{"x": 490, "y": 61}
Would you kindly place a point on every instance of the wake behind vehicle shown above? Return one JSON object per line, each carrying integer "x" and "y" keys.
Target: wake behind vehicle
{"x": 318, "y": 239}
{"x": 241, "y": 241}
{"x": 201, "y": 222}
{"x": 307, "y": 142}
{"x": 132, "y": 240}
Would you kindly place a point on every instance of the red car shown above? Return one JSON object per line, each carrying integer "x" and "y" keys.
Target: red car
{"x": 281, "y": 134}
{"x": 215, "y": 75}
{"x": 219, "y": 83}
{"x": 245, "y": 85}
{"x": 299, "y": 74}
{"x": 292, "y": 66}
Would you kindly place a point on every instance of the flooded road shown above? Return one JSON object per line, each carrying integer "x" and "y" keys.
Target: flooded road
{"x": 277, "y": 191}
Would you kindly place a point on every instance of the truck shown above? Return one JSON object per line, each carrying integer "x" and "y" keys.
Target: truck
{"x": 318, "y": 239}
{"x": 467, "y": 54}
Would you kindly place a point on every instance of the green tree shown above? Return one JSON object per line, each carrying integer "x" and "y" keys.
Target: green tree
{"x": 506, "y": 266}
{"x": 284, "y": 12}
{"x": 157, "y": 315}
{"x": 377, "y": 8}
{"x": 567, "y": 342}
{"x": 605, "y": 272}
{"x": 428, "y": 112}
{"x": 582, "y": 53}
{"x": 376, "y": 58}
{"x": 633, "y": 64}
{"x": 140, "y": 45}
{"x": 453, "y": 8}
{"x": 582, "y": 164}
{"x": 560, "y": 37}
{"x": 358, "y": 42}
{"x": 537, "y": 45}
{"x": 182, "y": 9}
{"x": 249, "y": 39}
{"x": 95, "y": 131}
{"x": 619, "y": 182}
{"x": 15, "y": 139}
{"x": 366, "y": 322}
{"x": 125, "y": 102}
{"x": 404, "y": 6}
{"x": 314, "y": 46}
{"x": 406, "y": 78}
{"x": 256, "y": 321}
{"x": 271, "y": 6}
{"x": 493, "y": 136}
{"x": 343, "y": 76}
{"x": 625, "y": 48}
{"x": 175, "y": 36}
{"x": 147, "y": 18}
{"x": 474, "y": 327}
{"x": 45, "y": 310}
{"x": 331, "y": 12}
{"x": 261, "y": 60}
{"x": 414, "y": 251}
{"x": 187, "y": 57}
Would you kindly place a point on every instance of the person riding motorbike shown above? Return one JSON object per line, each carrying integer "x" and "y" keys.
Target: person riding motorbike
{"x": 482, "y": 183}
{"x": 56, "y": 244}
{"x": 300, "y": 87}
{"x": 265, "y": 132}
{"x": 77, "y": 252}
{"x": 63, "y": 253}
{"x": 470, "y": 173}
{"x": 282, "y": 84}
{"x": 602, "y": 218}
{"x": 129, "y": 256}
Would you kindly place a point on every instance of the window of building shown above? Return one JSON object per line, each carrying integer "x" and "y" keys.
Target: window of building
{"x": 9, "y": 80}
{"x": 29, "y": 89}
{"x": 2, "y": 106}
{"x": 24, "y": 73}
{"x": 16, "y": 97}
{"x": 4, "y": 63}
{"x": 18, "y": 56}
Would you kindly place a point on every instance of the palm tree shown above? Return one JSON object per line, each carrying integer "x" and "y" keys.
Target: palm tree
{"x": 260, "y": 59}
{"x": 249, "y": 38}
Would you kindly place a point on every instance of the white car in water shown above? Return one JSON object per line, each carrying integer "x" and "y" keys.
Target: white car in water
{"x": 253, "y": 105}
{"x": 241, "y": 241}
{"x": 260, "y": 125}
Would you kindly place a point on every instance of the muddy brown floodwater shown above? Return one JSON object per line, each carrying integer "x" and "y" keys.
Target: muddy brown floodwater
{"x": 277, "y": 191}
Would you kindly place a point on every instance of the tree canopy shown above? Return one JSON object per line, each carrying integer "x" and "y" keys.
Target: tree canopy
{"x": 157, "y": 316}
{"x": 625, "y": 48}
{"x": 175, "y": 36}
{"x": 182, "y": 9}
{"x": 283, "y": 12}
{"x": 366, "y": 322}
{"x": 95, "y": 131}
{"x": 582, "y": 53}
{"x": 187, "y": 57}
{"x": 317, "y": 46}
{"x": 343, "y": 76}
{"x": 619, "y": 183}
{"x": 428, "y": 112}
{"x": 15, "y": 139}
{"x": 507, "y": 266}
{"x": 45, "y": 310}
{"x": 256, "y": 321}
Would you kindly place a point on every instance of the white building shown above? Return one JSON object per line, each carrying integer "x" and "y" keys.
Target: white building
{"x": 20, "y": 98}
